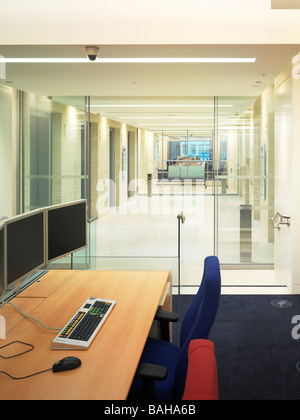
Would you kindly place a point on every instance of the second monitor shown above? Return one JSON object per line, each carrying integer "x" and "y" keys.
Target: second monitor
{"x": 66, "y": 229}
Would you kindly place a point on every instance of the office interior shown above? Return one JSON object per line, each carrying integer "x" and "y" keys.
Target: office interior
{"x": 219, "y": 161}
{"x": 177, "y": 161}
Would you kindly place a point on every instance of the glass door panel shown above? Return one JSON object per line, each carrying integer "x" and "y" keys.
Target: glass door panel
{"x": 185, "y": 158}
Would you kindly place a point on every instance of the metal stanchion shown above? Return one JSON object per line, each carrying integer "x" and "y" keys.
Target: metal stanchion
{"x": 180, "y": 217}
{"x": 245, "y": 233}
{"x": 149, "y": 185}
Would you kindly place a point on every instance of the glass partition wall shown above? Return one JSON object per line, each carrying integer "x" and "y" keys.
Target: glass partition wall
{"x": 52, "y": 151}
{"x": 161, "y": 197}
{"x": 219, "y": 174}
{"x": 246, "y": 201}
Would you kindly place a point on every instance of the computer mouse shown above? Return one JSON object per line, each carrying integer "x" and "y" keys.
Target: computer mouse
{"x": 67, "y": 363}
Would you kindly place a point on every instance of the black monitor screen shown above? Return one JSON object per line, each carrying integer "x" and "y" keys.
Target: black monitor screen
{"x": 25, "y": 246}
{"x": 66, "y": 230}
{"x": 1, "y": 260}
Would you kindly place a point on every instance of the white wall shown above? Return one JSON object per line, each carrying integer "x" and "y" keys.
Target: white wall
{"x": 6, "y": 190}
{"x": 287, "y": 197}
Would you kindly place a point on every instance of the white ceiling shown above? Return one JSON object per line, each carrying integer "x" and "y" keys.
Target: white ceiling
{"x": 153, "y": 84}
{"x": 108, "y": 22}
{"x": 188, "y": 79}
{"x": 139, "y": 28}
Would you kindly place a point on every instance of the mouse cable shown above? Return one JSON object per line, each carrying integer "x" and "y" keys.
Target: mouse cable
{"x": 30, "y": 317}
{"x": 24, "y": 377}
{"x": 19, "y": 354}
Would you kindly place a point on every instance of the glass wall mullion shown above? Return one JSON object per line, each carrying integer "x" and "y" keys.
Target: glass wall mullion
{"x": 87, "y": 156}
{"x": 215, "y": 167}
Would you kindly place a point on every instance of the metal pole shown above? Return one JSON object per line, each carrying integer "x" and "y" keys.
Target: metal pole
{"x": 180, "y": 217}
{"x": 215, "y": 166}
{"x": 87, "y": 157}
{"x": 19, "y": 190}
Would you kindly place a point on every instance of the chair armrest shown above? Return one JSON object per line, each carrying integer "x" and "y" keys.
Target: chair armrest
{"x": 164, "y": 318}
{"x": 149, "y": 373}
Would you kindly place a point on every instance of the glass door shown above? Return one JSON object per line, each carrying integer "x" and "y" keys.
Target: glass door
{"x": 197, "y": 233}
{"x": 185, "y": 174}
{"x": 245, "y": 143}
{"x": 227, "y": 211}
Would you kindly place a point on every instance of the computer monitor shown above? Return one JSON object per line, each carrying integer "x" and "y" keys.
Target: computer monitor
{"x": 2, "y": 259}
{"x": 66, "y": 229}
{"x": 25, "y": 246}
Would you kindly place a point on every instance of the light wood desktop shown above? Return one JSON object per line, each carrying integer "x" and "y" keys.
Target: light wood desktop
{"x": 109, "y": 365}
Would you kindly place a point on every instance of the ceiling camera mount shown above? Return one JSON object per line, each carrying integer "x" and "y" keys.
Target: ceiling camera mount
{"x": 92, "y": 53}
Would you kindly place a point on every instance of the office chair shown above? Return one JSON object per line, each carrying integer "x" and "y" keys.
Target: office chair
{"x": 162, "y": 371}
{"x": 202, "y": 375}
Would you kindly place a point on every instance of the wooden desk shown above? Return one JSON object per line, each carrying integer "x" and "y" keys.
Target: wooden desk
{"x": 109, "y": 365}
{"x": 46, "y": 284}
{"x": 13, "y": 316}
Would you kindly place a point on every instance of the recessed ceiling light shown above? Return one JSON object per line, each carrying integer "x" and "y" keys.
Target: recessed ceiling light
{"x": 128, "y": 60}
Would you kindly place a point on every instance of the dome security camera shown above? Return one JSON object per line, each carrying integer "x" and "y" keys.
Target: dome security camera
{"x": 92, "y": 53}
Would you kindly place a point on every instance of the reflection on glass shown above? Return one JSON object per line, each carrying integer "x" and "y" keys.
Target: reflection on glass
{"x": 53, "y": 151}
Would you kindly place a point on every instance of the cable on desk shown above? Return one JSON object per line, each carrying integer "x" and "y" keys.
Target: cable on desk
{"x": 24, "y": 377}
{"x": 19, "y": 354}
{"x": 30, "y": 317}
{"x": 15, "y": 355}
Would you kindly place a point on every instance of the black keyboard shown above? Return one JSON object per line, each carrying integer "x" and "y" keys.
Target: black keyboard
{"x": 90, "y": 321}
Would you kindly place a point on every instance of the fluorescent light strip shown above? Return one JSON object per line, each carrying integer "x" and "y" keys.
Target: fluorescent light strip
{"x": 127, "y": 60}
{"x": 185, "y": 124}
{"x": 43, "y": 60}
{"x": 172, "y": 125}
{"x": 138, "y": 117}
{"x": 205, "y": 130}
{"x": 226, "y": 128}
{"x": 175, "y": 124}
{"x": 156, "y": 106}
{"x": 175, "y": 118}
{"x": 165, "y": 118}
{"x": 177, "y": 60}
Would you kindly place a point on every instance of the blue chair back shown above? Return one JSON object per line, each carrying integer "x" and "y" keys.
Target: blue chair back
{"x": 199, "y": 318}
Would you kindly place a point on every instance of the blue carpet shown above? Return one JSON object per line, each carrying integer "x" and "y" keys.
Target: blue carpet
{"x": 255, "y": 351}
